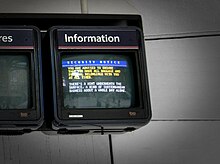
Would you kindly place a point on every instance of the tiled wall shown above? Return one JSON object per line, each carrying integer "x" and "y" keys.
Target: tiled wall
{"x": 184, "y": 83}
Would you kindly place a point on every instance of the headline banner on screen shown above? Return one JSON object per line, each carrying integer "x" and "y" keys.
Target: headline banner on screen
{"x": 106, "y": 63}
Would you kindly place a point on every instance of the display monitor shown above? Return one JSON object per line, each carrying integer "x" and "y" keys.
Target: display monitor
{"x": 99, "y": 84}
{"x": 21, "y": 96}
{"x": 97, "y": 81}
{"x": 15, "y": 82}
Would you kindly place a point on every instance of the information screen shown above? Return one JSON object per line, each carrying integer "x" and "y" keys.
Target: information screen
{"x": 97, "y": 81}
{"x": 14, "y": 81}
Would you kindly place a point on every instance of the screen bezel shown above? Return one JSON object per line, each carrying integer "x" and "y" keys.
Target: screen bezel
{"x": 105, "y": 114}
{"x": 16, "y": 114}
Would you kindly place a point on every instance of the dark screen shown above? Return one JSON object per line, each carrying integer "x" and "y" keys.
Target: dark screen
{"x": 97, "y": 81}
{"x": 14, "y": 81}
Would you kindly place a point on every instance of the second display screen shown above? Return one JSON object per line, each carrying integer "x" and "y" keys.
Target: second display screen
{"x": 97, "y": 81}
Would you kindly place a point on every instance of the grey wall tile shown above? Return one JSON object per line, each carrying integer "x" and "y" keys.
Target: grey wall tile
{"x": 159, "y": 17}
{"x": 40, "y": 6}
{"x": 111, "y": 7}
{"x": 184, "y": 78}
{"x": 166, "y": 17}
{"x": 178, "y": 16}
{"x": 169, "y": 143}
{"x": 38, "y": 148}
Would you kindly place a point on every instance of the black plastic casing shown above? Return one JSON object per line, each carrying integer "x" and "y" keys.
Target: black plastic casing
{"x": 101, "y": 120}
{"x": 25, "y": 120}
{"x": 44, "y": 21}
